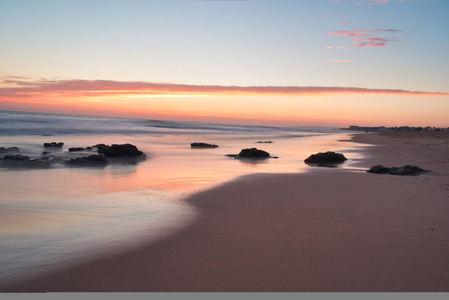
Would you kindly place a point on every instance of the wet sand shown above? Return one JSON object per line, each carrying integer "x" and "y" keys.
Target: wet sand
{"x": 327, "y": 230}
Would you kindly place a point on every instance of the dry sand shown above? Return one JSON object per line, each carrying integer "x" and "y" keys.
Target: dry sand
{"x": 328, "y": 230}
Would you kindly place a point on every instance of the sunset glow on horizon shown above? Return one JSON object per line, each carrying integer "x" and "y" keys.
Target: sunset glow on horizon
{"x": 292, "y": 63}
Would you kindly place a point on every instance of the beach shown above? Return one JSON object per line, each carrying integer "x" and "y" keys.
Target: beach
{"x": 325, "y": 230}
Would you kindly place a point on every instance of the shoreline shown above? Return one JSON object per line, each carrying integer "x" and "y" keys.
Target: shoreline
{"x": 286, "y": 233}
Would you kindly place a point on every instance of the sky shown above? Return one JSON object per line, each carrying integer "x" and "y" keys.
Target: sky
{"x": 290, "y": 62}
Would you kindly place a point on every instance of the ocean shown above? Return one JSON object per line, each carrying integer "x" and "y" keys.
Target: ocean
{"x": 54, "y": 216}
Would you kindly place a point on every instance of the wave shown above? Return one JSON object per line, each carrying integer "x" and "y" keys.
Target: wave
{"x": 14, "y": 123}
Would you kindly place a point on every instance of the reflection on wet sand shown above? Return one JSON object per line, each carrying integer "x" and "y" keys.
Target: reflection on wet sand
{"x": 64, "y": 212}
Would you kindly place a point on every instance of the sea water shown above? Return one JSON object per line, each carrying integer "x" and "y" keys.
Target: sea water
{"x": 56, "y": 215}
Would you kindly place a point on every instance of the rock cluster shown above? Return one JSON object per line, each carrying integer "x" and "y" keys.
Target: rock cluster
{"x": 9, "y": 149}
{"x": 94, "y": 160}
{"x": 407, "y": 170}
{"x": 76, "y": 149}
{"x": 24, "y": 161}
{"x": 126, "y": 153}
{"x": 53, "y": 145}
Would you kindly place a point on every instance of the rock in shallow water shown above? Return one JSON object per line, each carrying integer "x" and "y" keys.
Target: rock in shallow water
{"x": 24, "y": 161}
{"x": 9, "y": 149}
{"x": 95, "y": 160}
{"x": 251, "y": 153}
{"x": 115, "y": 150}
{"x": 76, "y": 149}
{"x": 53, "y": 145}
{"x": 203, "y": 145}
{"x": 325, "y": 158}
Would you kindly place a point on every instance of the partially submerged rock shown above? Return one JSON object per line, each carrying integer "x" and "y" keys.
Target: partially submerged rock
{"x": 53, "y": 145}
{"x": 251, "y": 153}
{"x": 94, "y": 160}
{"x": 325, "y": 158}
{"x": 9, "y": 149}
{"x": 76, "y": 149}
{"x": 407, "y": 170}
{"x": 125, "y": 153}
{"x": 119, "y": 151}
{"x": 24, "y": 161}
{"x": 203, "y": 145}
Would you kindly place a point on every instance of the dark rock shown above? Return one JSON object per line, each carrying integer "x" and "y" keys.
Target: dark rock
{"x": 203, "y": 145}
{"x": 15, "y": 160}
{"x": 23, "y": 161}
{"x": 379, "y": 169}
{"x": 76, "y": 149}
{"x": 53, "y": 145}
{"x": 95, "y": 160}
{"x": 100, "y": 146}
{"x": 407, "y": 170}
{"x": 124, "y": 150}
{"x": 9, "y": 149}
{"x": 264, "y": 142}
{"x": 253, "y": 153}
{"x": 325, "y": 158}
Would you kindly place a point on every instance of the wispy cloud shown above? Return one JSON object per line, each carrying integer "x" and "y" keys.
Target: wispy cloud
{"x": 378, "y": 2}
{"x": 373, "y": 2}
{"x": 363, "y": 33}
{"x": 373, "y": 42}
{"x": 76, "y": 88}
{"x": 368, "y": 38}
{"x": 338, "y": 47}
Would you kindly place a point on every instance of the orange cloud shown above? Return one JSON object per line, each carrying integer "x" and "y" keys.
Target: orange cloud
{"x": 91, "y": 89}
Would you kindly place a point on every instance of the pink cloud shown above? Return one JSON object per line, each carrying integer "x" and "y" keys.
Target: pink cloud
{"x": 368, "y": 38}
{"x": 373, "y": 2}
{"x": 363, "y": 33}
{"x": 378, "y": 2}
{"x": 338, "y": 47}
{"x": 97, "y": 88}
{"x": 373, "y": 42}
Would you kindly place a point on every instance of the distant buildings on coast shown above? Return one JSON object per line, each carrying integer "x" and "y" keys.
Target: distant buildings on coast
{"x": 393, "y": 129}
